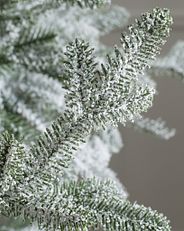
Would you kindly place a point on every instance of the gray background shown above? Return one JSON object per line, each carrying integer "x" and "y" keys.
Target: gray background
{"x": 152, "y": 169}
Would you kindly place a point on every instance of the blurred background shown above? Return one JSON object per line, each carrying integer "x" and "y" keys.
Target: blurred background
{"x": 153, "y": 169}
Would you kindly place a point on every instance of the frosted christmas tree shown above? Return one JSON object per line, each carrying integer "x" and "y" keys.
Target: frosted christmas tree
{"x": 63, "y": 94}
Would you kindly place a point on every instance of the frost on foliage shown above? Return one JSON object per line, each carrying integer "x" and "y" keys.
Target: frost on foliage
{"x": 53, "y": 29}
{"x": 55, "y": 205}
{"x": 172, "y": 65}
{"x": 19, "y": 114}
{"x": 90, "y": 204}
{"x": 105, "y": 209}
{"x": 86, "y": 24}
{"x": 106, "y": 96}
{"x": 92, "y": 158}
{"x": 86, "y": 3}
{"x": 47, "y": 4}
{"x": 156, "y": 127}
{"x": 31, "y": 175}
{"x": 31, "y": 100}
{"x": 115, "y": 93}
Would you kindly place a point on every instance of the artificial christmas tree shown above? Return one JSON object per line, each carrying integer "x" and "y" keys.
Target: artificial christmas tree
{"x": 50, "y": 72}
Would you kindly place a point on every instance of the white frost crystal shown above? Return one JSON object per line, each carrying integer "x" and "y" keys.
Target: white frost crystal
{"x": 156, "y": 127}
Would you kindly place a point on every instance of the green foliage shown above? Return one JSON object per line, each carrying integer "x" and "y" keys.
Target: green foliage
{"x": 36, "y": 35}
{"x": 86, "y": 3}
{"x": 37, "y": 106}
{"x": 13, "y": 122}
{"x": 115, "y": 94}
{"x": 24, "y": 20}
{"x": 5, "y": 141}
{"x": 92, "y": 205}
{"x": 13, "y": 170}
{"x": 31, "y": 185}
{"x": 56, "y": 3}
{"x": 4, "y": 3}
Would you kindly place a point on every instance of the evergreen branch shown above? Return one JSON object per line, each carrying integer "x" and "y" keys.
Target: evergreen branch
{"x": 13, "y": 158}
{"x": 90, "y": 204}
{"x": 46, "y": 4}
{"x": 13, "y": 120}
{"x": 156, "y": 127}
{"x": 5, "y": 141}
{"x": 80, "y": 70}
{"x": 81, "y": 3}
{"x": 58, "y": 145}
{"x": 106, "y": 19}
{"x": 53, "y": 151}
{"x": 38, "y": 93}
{"x": 5, "y": 69}
{"x": 17, "y": 125}
{"x": 4, "y": 60}
{"x": 92, "y": 158}
{"x": 31, "y": 186}
{"x": 35, "y": 35}
{"x": 91, "y": 94}
{"x": 139, "y": 48}
{"x": 89, "y": 3}
{"x": 48, "y": 64}
{"x": 14, "y": 168}
{"x": 83, "y": 83}
{"x": 42, "y": 6}
{"x": 44, "y": 160}
{"x": 115, "y": 94}
{"x": 4, "y": 4}
{"x": 13, "y": 104}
